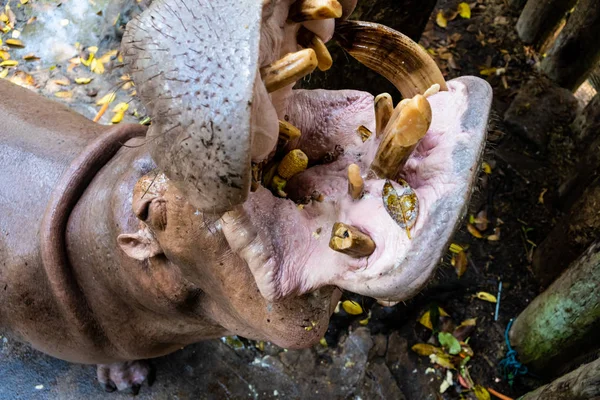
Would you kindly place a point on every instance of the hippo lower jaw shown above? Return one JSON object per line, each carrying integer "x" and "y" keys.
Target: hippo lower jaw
{"x": 232, "y": 120}
{"x": 287, "y": 246}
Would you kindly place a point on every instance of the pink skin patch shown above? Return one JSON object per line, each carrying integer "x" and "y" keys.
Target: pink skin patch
{"x": 287, "y": 248}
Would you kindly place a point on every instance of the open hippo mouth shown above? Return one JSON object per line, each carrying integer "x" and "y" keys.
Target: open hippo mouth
{"x": 316, "y": 187}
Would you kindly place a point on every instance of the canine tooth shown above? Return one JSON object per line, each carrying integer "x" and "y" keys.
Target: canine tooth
{"x": 288, "y": 69}
{"x": 293, "y": 163}
{"x": 305, "y": 10}
{"x": 391, "y": 54}
{"x": 432, "y": 90}
{"x": 350, "y": 240}
{"x": 323, "y": 55}
{"x": 364, "y": 133}
{"x": 288, "y": 131}
{"x": 409, "y": 123}
{"x": 355, "y": 181}
{"x": 384, "y": 107}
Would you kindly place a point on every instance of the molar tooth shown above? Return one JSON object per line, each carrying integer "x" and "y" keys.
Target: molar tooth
{"x": 323, "y": 55}
{"x": 350, "y": 240}
{"x": 305, "y": 10}
{"x": 364, "y": 133}
{"x": 408, "y": 124}
{"x": 288, "y": 69}
{"x": 293, "y": 163}
{"x": 288, "y": 131}
{"x": 355, "y": 182}
{"x": 383, "y": 111}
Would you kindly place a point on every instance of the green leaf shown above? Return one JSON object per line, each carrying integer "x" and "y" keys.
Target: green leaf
{"x": 449, "y": 342}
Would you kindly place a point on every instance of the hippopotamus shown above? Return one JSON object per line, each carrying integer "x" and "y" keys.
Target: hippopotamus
{"x": 121, "y": 243}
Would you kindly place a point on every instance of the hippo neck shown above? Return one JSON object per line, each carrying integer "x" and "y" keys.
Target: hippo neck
{"x": 64, "y": 197}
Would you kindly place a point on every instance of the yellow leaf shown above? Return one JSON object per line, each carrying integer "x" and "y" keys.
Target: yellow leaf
{"x": 473, "y": 231}
{"x": 88, "y": 61}
{"x": 365, "y": 321}
{"x": 456, "y": 248}
{"x": 64, "y": 94}
{"x": 4, "y": 55}
{"x": 9, "y": 63}
{"x": 107, "y": 56}
{"x": 22, "y": 78}
{"x": 118, "y": 117}
{"x": 93, "y": 49}
{"x": 481, "y": 393}
{"x": 14, "y": 43}
{"x": 541, "y": 196}
{"x": 486, "y": 168}
{"x": 24, "y": 1}
{"x": 83, "y": 81}
{"x": 425, "y": 319}
{"x": 442, "y": 360}
{"x": 3, "y": 73}
{"x": 62, "y": 82}
{"x": 441, "y": 21}
{"x": 121, "y": 107}
{"x": 485, "y": 296}
{"x": 424, "y": 349}
{"x": 30, "y": 57}
{"x": 464, "y": 10}
{"x": 352, "y": 307}
{"x": 487, "y": 71}
{"x": 459, "y": 262}
{"x": 323, "y": 342}
{"x": 97, "y": 67}
{"x": 108, "y": 98}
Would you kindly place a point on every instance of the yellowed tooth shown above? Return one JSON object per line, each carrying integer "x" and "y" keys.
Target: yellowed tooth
{"x": 355, "y": 182}
{"x": 306, "y": 10}
{"x": 364, "y": 133}
{"x": 435, "y": 88}
{"x": 350, "y": 240}
{"x": 293, "y": 163}
{"x": 288, "y": 131}
{"x": 288, "y": 69}
{"x": 391, "y": 54}
{"x": 323, "y": 55}
{"x": 383, "y": 111}
{"x": 407, "y": 126}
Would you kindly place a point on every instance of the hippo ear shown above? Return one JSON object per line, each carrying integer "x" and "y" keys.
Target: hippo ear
{"x": 141, "y": 245}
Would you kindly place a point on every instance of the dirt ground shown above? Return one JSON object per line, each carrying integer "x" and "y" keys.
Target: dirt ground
{"x": 515, "y": 195}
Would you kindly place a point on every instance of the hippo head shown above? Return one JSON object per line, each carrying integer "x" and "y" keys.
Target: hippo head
{"x": 374, "y": 193}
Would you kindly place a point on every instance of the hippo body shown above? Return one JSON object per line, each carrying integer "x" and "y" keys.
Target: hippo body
{"x": 130, "y": 309}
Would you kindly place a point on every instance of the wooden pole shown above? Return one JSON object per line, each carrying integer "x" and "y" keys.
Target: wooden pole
{"x": 563, "y": 321}
{"x": 517, "y": 4}
{"x": 576, "y": 50}
{"x": 570, "y": 237}
{"x": 540, "y": 18}
{"x": 586, "y": 126}
{"x": 581, "y": 384}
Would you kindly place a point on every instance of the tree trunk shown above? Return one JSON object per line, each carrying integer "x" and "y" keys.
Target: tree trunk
{"x": 563, "y": 321}
{"x": 570, "y": 237}
{"x": 540, "y": 18}
{"x": 407, "y": 16}
{"x": 576, "y": 51}
{"x": 581, "y": 384}
{"x": 586, "y": 126}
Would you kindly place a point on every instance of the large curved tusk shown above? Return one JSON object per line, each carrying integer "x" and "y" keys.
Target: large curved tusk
{"x": 391, "y": 54}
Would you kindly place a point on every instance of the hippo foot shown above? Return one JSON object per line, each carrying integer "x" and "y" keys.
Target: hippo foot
{"x": 125, "y": 376}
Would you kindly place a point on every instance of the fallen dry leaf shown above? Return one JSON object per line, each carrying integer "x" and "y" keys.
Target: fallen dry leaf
{"x": 485, "y": 296}
{"x": 352, "y": 307}
{"x": 441, "y": 20}
{"x": 474, "y": 232}
{"x": 464, "y": 10}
